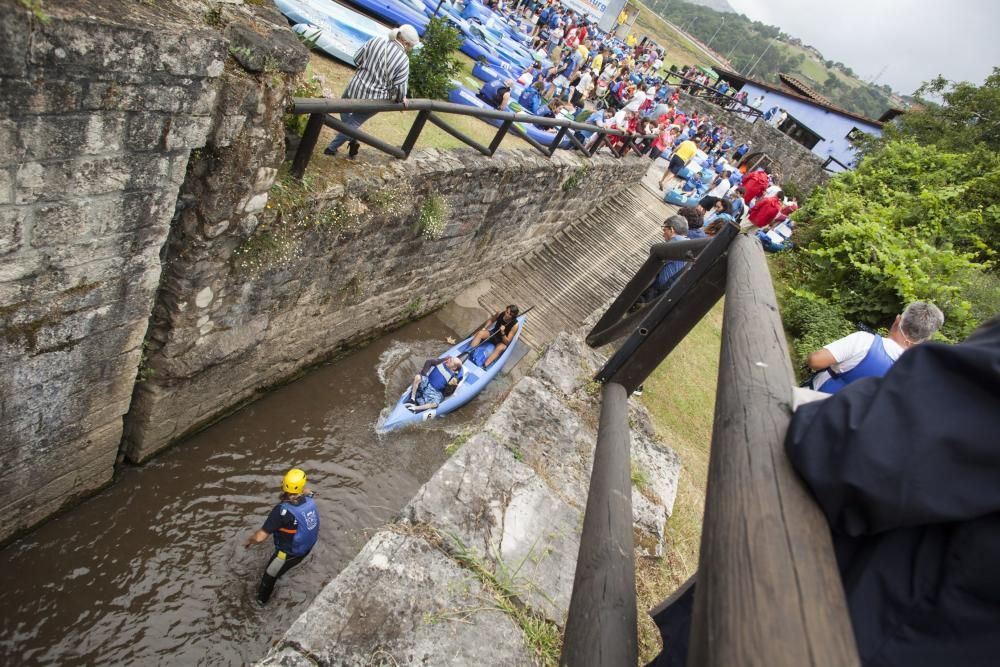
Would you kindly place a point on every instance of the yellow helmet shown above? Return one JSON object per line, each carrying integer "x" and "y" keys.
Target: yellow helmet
{"x": 294, "y": 481}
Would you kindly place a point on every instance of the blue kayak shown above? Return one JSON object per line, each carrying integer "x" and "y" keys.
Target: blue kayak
{"x": 476, "y": 379}
{"x": 459, "y": 94}
{"x": 338, "y": 30}
{"x": 393, "y": 12}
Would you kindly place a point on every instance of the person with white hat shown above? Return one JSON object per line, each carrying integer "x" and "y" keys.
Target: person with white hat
{"x": 383, "y": 72}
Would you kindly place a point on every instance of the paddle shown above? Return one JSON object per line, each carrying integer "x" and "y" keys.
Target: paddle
{"x": 465, "y": 355}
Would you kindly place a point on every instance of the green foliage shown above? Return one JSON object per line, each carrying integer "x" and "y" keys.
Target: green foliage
{"x": 433, "y": 66}
{"x": 307, "y": 85}
{"x": 433, "y": 217}
{"x": 811, "y": 323}
{"x": 35, "y": 7}
{"x": 640, "y": 478}
{"x": 969, "y": 115}
{"x": 576, "y": 179}
{"x": 912, "y": 222}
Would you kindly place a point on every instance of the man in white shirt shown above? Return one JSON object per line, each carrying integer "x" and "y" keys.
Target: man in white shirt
{"x": 866, "y": 355}
{"x": 722, "y": 186}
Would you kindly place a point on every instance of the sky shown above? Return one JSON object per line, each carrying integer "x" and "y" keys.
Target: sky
{"x": 914, "y": 39}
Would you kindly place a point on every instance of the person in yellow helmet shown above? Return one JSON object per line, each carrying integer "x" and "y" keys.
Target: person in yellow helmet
{"x": 294, "y": 524}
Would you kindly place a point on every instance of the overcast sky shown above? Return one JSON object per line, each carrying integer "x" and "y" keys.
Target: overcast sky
{"x": 915, "y": 39}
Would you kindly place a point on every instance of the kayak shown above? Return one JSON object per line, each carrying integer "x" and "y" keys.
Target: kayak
{"x": 393, "y": 12}
{"x": 459, "y": 94}
{"x": 476, "y": 379}
{"x": 338, "y": 30}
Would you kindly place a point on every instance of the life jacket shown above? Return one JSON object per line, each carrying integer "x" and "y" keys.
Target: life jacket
{"x": 441, "y": 374}
{"x": 530, "y": 100}
{"x": 875, "y": 364}
{"x": 307, "y": 517}
{"x": 501, "y": 327}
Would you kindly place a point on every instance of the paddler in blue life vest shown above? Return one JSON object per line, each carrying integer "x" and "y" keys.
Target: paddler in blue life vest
{"x": 294, "y": 523}
{"x": 864, "y": 354}
{"x": 436, "y": 380}
{"x": 499, "y": 330}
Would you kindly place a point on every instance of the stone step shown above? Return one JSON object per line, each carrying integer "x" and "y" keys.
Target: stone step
{"x": 582, "y": 266}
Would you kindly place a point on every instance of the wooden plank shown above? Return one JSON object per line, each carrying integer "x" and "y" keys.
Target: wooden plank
{"x": 768, "y": 589}
{"x": 601, "y": 626}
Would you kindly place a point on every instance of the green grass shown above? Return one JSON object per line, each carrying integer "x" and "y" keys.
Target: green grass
{"x": 392, "y": 127}
{"x": 679, "y": 50}
{"x": 680, "y": 396}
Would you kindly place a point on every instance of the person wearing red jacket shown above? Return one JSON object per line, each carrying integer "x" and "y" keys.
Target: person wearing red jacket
{"x": 754, "y": 183}
{"x": 764, "y": 212}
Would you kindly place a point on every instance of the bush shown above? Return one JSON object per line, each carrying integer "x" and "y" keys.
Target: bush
{"x": 432, "y": 66}
{"x": 811, "y": 323}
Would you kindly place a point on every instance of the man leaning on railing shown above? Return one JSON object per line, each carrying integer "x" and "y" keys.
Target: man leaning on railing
{"x": 383, "y": 72}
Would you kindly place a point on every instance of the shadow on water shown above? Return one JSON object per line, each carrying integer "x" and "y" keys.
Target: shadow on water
{"x": 153, "y": 570}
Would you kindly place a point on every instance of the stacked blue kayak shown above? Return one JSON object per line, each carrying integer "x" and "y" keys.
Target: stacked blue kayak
{"x": 500, "y": 46}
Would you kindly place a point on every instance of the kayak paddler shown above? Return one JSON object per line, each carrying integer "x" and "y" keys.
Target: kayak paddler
{"x": 499, "y": 330}
{"x": 436, "y": 380}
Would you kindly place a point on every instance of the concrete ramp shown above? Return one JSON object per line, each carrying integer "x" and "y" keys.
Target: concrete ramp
{"x": 581, "y": 267}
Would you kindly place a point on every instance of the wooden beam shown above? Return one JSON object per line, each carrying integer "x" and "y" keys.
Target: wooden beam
{"x": 768, "y": 591}
{"x": 601, "y": 627}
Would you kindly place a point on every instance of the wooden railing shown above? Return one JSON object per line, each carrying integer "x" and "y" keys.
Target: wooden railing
{"x": 768, "y": 591}
{"x": 319, "y": 111}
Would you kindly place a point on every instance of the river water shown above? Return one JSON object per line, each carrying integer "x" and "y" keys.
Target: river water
{"x": 153, "y": 571}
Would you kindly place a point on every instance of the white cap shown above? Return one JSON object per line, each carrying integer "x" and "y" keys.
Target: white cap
{"x": 408, "y": 34}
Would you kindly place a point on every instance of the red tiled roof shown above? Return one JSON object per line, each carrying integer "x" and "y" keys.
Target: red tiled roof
{"x": 798, "y": 90}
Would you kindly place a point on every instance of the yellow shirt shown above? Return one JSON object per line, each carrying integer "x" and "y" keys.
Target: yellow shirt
{"x": 622, "y": 17}
{"x": 598, "y": 63}
{"x": 686, "y": 150}
{"x": 630, "y": 40}
{"x": 583, "y": 51}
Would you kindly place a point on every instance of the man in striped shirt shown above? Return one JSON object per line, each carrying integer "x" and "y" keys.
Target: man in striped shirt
{"x": 383, "y": 72}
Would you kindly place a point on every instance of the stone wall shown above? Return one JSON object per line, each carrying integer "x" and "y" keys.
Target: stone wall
{"x": 798, "y": 164}
{"x": 491, "y": 540}
{"x": 299, "y": 273}
{"x": 101, "y": 104}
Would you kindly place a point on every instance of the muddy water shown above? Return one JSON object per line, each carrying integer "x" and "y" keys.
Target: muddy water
{"x": 153, "y": 570}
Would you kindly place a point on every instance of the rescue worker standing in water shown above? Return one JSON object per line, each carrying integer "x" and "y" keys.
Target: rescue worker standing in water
{"x": 294, "y": 523}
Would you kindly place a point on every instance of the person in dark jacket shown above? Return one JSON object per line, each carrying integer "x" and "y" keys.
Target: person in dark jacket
{"x": 906, "y": 468}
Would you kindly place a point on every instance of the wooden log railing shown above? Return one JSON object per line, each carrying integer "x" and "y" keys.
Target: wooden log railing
{"x": 320, "y": 111}
{"x": 768, "y": 591}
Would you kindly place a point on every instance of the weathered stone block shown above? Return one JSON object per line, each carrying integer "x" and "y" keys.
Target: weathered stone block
{"x": 276, "y": 50}
{"x": 496, "y": 507}
{"x": 409, "y": 593}
{"x": 191, "y": 132}
{"x": 11, "y": 227}
{"x": 70, "y": 135}
{"x": 89, "y": 176}
{"x": 6, "y": 186}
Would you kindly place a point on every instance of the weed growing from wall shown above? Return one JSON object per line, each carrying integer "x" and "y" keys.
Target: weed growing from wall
{"x": 575, "y": 181}
{"x": 296, "y": 207}
{"x": 433, "y": 217}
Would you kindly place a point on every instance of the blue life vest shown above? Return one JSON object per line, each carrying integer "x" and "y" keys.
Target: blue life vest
{"x": 875, "y": 364}
{"x": 441, "y": 374}
{"x": 530, "y": 100}
{"x": 307, "y": 533}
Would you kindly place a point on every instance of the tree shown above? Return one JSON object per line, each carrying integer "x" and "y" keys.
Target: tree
{"x": 968, "y": 115}
{"x": 432, "y": 66}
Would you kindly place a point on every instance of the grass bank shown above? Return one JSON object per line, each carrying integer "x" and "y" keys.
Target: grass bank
{"x": 392, "y": 127}
{"x": 680, "y": 396}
